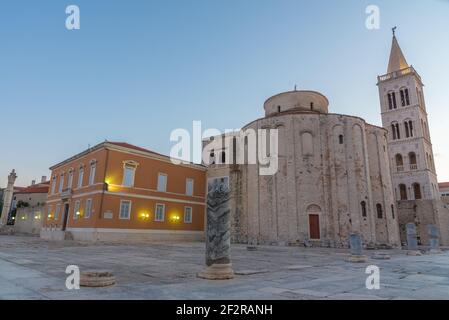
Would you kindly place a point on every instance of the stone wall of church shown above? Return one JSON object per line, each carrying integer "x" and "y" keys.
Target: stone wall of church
{"x": 422, "y": 213}
{"x": 331, "y": 166}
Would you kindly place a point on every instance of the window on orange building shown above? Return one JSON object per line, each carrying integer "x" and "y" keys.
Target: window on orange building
{"x": 160, "y": 212}
{"x": 189, "y": 187}
{"x": 162, "y": 182}
{"x": 125, "y": 209}
{"x": 129, "y": 173}
{"x": 88, "y": 211}
{"x": 187, "y": 214}
{"x": 93, "y": 169}
{"x": 53, "y": 185}
{"x": 76, "y": 210}
{"x": 80, "y": 177}
{"x": 61, "y": 183}
{"x": 58, "y": 210}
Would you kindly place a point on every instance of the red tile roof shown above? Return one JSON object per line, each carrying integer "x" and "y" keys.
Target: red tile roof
{"x": 131, "y": 146}
{"x": 443, "y": 185}
{"x": 33, "y": 190}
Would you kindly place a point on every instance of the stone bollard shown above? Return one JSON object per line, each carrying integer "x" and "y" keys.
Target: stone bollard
{"x": 434, "y": 238}
{"x": 355, "y": 243}
{"x": 412, "y": 240}
{"x": 218, "y": 231}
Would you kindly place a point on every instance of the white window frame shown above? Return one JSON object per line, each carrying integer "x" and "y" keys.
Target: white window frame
{"x": 187, "y": 186}
{"x": 70, "y": 180}
{"x": 61, "y": 182}
{"x": 92, "y": 173}
{"x": 76, "y": 208}
{"x": 53, "y": 185}
{"x": 163, "y": 212}
{"x": 129, "y": 210}
{"x": 88, "y": 210}
{"x": 191, "y": 215}
{"x": 160, "y": 174}
{"x": 57, "y": 211}
{"x": 80, "y": 177}
{"x": 129, "y": 166}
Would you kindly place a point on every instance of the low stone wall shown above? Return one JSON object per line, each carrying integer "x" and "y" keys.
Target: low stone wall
{"x": 122, "y": 235}
{"x": 28, "y": 220}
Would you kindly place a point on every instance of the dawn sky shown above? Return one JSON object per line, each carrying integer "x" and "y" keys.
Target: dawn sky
{"x": 136, "y": 70}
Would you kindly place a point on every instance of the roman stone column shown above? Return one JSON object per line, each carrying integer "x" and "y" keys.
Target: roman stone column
{"x": 434, "y": 238}
{"x": 355, "y": 243}
{"x": 218, "y": 231}
{"x": 412, "y": 240}
{"x": 7, "y": 198}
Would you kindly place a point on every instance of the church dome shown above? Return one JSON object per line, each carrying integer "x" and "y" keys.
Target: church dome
{"x": 296, "y": 101}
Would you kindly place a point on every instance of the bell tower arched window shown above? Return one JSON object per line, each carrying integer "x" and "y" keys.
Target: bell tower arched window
{"x": 405, "y": 98}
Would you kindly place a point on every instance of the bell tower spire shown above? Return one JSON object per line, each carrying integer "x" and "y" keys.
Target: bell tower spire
{"x": 397, "y": 59}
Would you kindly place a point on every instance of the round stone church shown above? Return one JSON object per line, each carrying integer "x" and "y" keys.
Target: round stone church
{"x": 333, "y": 179}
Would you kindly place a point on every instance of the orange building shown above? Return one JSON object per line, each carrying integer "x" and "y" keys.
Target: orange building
{"x": 117, "y": 191}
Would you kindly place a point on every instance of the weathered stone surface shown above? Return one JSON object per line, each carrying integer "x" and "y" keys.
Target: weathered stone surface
{"x": 355, "y": 243}
{"x": 218, "y": 240}
{"x": 412, "y": 242}
{"x": 97, "y": 279}
{"x": 332, "y": 170}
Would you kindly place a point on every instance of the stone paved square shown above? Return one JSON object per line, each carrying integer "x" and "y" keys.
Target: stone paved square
{"x": 32, "y": 268}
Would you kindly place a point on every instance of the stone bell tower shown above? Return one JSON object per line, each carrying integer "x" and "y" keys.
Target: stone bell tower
{"x": 7, "y": 198}
{"x": 414, "y": 178}
{"x": 404, "y": 115}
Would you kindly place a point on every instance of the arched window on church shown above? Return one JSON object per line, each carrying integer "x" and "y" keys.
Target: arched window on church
{"x": 341, "y": 139}
{"x": 279, "y": 109}
{"x": 223, "y": 157}
{"x": 399, "y": 162}
{"x": 403, "y": 191}
{"x": 392, "y": 211}
{"x": 395, "y": 131}
{"x": 311, "y": 106}
{"x": 417, "y": 191}
{"x": 363, "y": 205}
{"x": 212, "y": 157}
{"x": 380, "y": 212}
{"x": 412, "y": 161}
{"x": 392, "y": 100}
{"x": 405, "y": 99}
{"x": 410, "y": 127}
{"x": 408, "y": 124}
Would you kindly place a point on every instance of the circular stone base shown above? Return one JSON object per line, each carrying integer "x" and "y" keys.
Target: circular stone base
{"x": 381, "y": 256}
{"x": 415, "y": 253}
{"x": 97, "y": 279}
{"x": 357, "y": 259}
{"x": 435, "y": 251}
{"x": 251, "y": 248}
{"x": 217, "y": 272}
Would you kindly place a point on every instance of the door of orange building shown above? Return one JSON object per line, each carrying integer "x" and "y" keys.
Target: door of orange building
{"x": 66, "y": 216}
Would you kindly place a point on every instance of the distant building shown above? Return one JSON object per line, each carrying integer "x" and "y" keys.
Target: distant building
{"x": 30, "y": 203}
{"x": 444, "y": 192}
{"x": 117, "y": 191}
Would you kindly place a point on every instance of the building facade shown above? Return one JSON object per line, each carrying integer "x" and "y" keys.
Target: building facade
{"x": 30, "y": 205}
{"x": 444, "y": 192}
{"x": 333, "y": 179}
{"x": 404, "y": 115}
{"x": 117, "y": 191}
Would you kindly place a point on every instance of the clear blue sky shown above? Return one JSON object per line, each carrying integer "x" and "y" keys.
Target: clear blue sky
{"x": 139, "y": 69}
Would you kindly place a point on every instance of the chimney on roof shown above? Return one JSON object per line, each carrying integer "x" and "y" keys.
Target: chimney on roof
{"x": 33, "y": 182}
{"x": 44, "y": 179}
